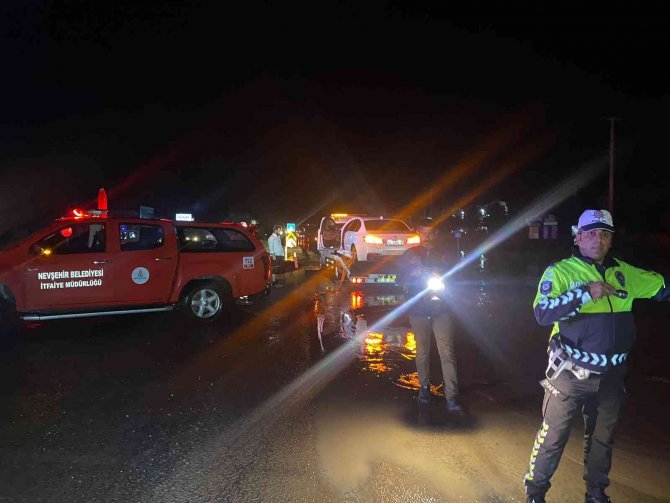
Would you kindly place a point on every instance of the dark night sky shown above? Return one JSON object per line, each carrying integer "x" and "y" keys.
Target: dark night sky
{"x": 282, "y": 111}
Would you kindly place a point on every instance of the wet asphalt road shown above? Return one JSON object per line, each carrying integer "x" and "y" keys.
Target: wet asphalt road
{"x": 278, "y": 403}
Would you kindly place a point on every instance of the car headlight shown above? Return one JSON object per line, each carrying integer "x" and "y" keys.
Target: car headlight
{"x": 435, "y": 284}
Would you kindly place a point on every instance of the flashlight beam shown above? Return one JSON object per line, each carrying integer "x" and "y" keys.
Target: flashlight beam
{"x": 323, "y": 372}
{"x": 537, "y": 208}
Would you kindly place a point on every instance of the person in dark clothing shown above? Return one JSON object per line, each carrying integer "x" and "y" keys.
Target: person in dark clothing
{"x": 421, "y": 275}
{"x": 588, "y": 299}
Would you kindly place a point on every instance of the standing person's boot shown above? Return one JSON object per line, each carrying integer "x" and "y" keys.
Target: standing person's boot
{"x": 454, "y": 407}
{"x": 596, "y": 495}
{"x": 424, "y": 395}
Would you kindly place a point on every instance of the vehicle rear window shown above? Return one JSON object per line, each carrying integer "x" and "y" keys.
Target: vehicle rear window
{"x": 140, "y": 236}
{"x": 212, "y": 239}
{"x": 73, "y": 238}
{"x": 386, "y": 226}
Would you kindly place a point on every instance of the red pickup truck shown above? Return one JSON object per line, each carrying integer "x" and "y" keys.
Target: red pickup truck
{"x": 93, "y": 264}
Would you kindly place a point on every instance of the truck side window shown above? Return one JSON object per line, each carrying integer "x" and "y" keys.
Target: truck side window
{"x": 214, "y": 239}
{"x": 232, "y": 240}
{"x": 74, "y": 238}
{"x": 140, "y": 236}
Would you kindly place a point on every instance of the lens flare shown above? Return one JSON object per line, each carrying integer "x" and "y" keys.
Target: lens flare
{"x": 318, "y": 376}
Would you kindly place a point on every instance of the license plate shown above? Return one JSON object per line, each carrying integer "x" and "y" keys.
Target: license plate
{"x": 382, "y": 278}
{"x": 395, "y": 242}
{"x": 386, "y": 300}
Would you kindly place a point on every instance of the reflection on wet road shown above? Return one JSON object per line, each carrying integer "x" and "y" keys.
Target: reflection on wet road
{"x": 388, "y": 349}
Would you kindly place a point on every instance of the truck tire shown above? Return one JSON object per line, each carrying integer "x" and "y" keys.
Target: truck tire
{"x": 206, "y": 301}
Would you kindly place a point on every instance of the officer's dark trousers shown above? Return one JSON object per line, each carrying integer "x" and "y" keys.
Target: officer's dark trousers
{"x": 598, "y": 399}
{"x": 441, "y": 325}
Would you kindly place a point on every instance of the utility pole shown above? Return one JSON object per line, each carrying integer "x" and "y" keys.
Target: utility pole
{"x": 610, "y": 199}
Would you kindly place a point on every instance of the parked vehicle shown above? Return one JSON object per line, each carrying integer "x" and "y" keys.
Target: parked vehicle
{"x": 361, "y": 240}
{"x": 94, "y": 263}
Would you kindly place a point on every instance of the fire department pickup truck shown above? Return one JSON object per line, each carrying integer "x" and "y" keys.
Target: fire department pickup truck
{"x": 95, "y": 263}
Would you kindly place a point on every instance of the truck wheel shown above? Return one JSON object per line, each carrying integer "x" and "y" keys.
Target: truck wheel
{"x": 205, "y": 301}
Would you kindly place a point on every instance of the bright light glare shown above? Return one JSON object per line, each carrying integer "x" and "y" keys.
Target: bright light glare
{"x": 413, "y": 240}
{"x": 323, "y": 372}
{"x": 435, "y": 284}
{"x": 375, "y": 240}
{"x": 541, "y": 205}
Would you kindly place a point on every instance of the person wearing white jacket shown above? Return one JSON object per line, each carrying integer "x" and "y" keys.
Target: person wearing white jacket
{"x": 277, "y": 253}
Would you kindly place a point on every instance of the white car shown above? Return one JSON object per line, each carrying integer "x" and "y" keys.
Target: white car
{"x": 368, "y": 239}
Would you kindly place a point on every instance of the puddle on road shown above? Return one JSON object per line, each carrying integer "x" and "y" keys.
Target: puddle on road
{"x": 488, "y": 325}
{"x": 382, "y": 349}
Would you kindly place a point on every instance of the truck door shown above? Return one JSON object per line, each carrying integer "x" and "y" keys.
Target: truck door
{"x": 145, "y": 262}
{"x": 70, "y": 267}
{"x": 328, "y": 237}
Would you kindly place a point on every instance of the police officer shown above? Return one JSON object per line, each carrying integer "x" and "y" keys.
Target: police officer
{"x": 587, "y": 298}
{"x": 429, "y": 313}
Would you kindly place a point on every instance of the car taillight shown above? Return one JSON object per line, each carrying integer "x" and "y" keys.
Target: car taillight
{"x": 413, "y": 240}
{"x": 375, "y": 240}
{"x": 357, "y": 279}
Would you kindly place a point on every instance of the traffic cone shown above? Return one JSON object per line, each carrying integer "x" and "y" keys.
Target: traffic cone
{"x": 295, "y": 260}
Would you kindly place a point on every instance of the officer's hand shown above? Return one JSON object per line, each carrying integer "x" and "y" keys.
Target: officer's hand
{"x": 600, "y": 289}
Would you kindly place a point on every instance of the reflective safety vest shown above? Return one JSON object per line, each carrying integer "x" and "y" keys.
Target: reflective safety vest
{"x": 595, "y": 334}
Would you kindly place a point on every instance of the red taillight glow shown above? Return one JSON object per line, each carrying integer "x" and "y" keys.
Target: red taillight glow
{"x": 67, "y": 232}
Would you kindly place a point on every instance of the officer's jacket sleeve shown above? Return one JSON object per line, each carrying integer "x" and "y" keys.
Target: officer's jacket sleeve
{"x": 664, "y": 293}
{"x": 645, "y": 284}
{"x": 554, "y": 301}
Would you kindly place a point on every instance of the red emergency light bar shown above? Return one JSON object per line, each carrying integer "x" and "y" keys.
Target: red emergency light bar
{"x": 100, "y": 212}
